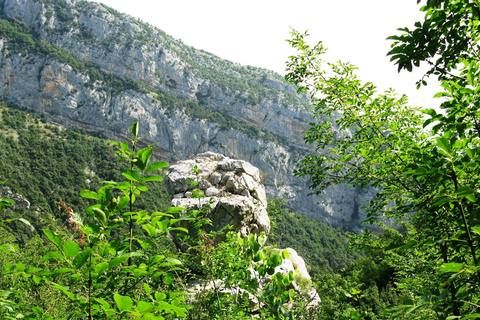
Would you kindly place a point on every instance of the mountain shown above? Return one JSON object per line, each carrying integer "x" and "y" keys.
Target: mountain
{"x": 84, "y": 65}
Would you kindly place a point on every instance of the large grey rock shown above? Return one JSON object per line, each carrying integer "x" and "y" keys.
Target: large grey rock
{"x": 223, "y": 181}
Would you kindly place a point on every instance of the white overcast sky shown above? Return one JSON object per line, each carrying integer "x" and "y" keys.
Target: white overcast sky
{"x": 253, "y": 32}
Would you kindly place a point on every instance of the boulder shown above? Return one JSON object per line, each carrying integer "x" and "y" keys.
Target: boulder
{"x": 232, "y": 189}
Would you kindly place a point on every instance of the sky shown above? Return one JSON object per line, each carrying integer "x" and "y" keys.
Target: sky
{"x": 254, "y": 32}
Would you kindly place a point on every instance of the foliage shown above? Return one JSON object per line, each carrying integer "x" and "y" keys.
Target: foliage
{"x": 104, "y": 278}
{"x": 47, "y": 165}
{"x": 426, "y": 179}
{"x": 323, "y": 247}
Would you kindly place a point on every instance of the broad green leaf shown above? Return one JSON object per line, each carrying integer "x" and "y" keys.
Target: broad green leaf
{"x": 89, "y": 194}
{"x": 122, "y": 204}
{"x": 444, "y": 145}
{"x": 33, "y": 270}
{"x": 101, "y": 267}
{"x": 81, "y": 258}
{"x": 160, "y": 296}
{"x": 131, "y": 175}
{"x": 476, "y": 230}
{"x": 152, "y": 178}
{"x": 451, "y": 267}
{"x": 144, "y": 307}
{"x": 124, "y": 146}
{"x": 70, "y": 248}
{"x": 146, "y": 155}
{"x": 150, "y": 229}
{"x": 156, "y": 165}
{"x": 62, "y": 270}
{"x": 53, "y": 238}
{"x": 117, "y": 261}
{"x": 105, "y": 195}
{"x": 25, "y": 222}
{"x": 52, "y": 255}
{"x": 175, "y": 209}
{"x": 124, "y": 303}
{"x": 147, "y": 288}
{"x": 7, "y": 248}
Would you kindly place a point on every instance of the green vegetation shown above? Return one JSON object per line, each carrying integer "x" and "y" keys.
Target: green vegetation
{"x": 46, "y": 164}
{"x": 427, "y": 178}
{"x": 324, "y": 248}
{"x": 115, "y": 259}
{"x": 115, "y": 262}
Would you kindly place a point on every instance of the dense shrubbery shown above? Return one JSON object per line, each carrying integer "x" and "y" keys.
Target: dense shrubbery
{"x": 116, "y": 261}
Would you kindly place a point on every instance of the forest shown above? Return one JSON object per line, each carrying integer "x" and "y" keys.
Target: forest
{"x": 96, "y": 244}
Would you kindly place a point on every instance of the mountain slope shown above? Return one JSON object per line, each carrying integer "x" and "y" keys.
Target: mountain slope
{"x": 84, "y": 65}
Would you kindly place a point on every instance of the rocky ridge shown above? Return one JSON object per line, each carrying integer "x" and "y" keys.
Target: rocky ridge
{"x": 93, "y": 68}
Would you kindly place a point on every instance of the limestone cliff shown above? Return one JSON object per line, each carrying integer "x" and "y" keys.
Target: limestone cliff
{"x": 84, "y": 65}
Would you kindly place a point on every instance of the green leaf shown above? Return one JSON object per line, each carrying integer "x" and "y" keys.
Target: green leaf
{"x": 145, "y": 156}
{"x": 53, "y": 238}
{"x": 144, "y": 307}
{"x": 122, "y": 204}
{"x": 160, "y": 296}
{"x": 82, "y": 258}
{"x": 7, "y": 248}
{"x": 70, "y": 248}
{"x": 150, "y": 229}
{"x": 20, "y": 267}
{"x": 168, "y": 278}
{"x": 101, "y": 267}
{"x": 105, "y": 195}
{"x": 147, "y": 288}
{"x": 52, "y": 255}
{"x": 33, "y": 270}
{"x": 117, "y": 261}
{"x": 131, "y": 175}
{"x": 62, "y": 270}
{"x": 134, "y": 129}
{"x": 452, "y": 267}
{"x": 444, "y": 145}
{"x": 124, "y": 303}
{"x": 89, "y": 194}
{"x": 152, "y": 178}
{"x": 25, "y": 222}
{"x": 156, "y": 165}
{"x": 476, "y": 230}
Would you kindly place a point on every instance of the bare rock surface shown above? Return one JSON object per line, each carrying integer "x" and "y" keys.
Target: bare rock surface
{"x": 232, "y": 189}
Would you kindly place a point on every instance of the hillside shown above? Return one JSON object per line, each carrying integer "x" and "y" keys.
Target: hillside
{"x": 84, "y": 65}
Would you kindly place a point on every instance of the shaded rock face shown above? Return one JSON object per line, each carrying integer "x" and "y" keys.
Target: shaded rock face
{"x": 20, "y": 201}
{"x": 232, "y": 189}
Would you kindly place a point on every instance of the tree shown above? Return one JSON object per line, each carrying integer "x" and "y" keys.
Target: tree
{"x": 427, "y": 179}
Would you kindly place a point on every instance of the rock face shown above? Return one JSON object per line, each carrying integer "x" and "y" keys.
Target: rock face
{"x": 20, "y": 201}
{"x": 232, "y": 189}
{"x": 103, "y": 70}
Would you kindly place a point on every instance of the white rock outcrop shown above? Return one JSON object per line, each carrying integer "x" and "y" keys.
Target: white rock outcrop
{"x": 232, "y": 189}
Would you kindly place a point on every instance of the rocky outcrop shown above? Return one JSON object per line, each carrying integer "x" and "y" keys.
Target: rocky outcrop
{"x": 235, "y": 196}
{"x": 231, "y": 188}
{"x": 191, "y": 101}
{"x": 20, "y": 201}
